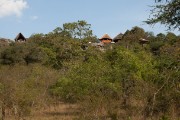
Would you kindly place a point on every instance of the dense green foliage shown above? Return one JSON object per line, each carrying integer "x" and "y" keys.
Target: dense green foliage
{"x": 125, "y": 81}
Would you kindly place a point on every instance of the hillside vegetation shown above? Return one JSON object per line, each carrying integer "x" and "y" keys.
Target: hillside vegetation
{"x": 125, "y": 81}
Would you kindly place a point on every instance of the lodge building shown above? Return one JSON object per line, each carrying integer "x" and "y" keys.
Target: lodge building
{"x": 20, "y": 38}
{"x": 105, "y": 39}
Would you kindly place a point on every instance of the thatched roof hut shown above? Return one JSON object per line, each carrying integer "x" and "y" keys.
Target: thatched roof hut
{"x": 106, "y": 39}
{"x": 118, "y": 37}
{"x": 20, "y": 38}
{"x": 143, "y": 41}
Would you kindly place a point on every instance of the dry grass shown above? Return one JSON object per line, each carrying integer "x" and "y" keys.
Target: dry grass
{"x": 61, "y": 111}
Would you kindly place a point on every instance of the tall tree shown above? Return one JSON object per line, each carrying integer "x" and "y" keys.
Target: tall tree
{"x": 132, "y": 37}
{"x": 167, "y": 13}
{"x": 79, "y": 29}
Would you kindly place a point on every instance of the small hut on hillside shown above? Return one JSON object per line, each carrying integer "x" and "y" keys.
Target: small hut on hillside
{"x": 106, "y": 39}
{"x": 118, "y": 38}
{"x": 143, "y": 41}
{"x": 20, "y": 38}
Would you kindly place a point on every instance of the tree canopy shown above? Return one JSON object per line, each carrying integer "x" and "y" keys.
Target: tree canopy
{"x": 125, "y": 80}
{"x": 167, "y": 13}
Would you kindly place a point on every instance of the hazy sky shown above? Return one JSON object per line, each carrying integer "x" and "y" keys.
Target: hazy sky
{"x": 105, "y": 16}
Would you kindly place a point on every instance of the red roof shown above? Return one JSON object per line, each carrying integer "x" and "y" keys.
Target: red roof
{"x": 106, "y": 36}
